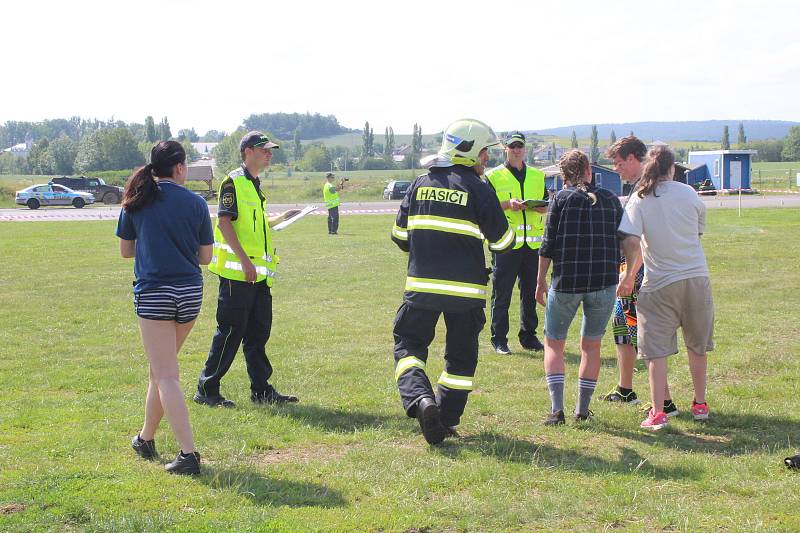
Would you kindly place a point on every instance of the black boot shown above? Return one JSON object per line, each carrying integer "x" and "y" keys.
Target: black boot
{"x": 145, "y": 448}
{"x": 272, "y": 396}
{"x": 430, "y": 421}
{"x": 188, "y": 464}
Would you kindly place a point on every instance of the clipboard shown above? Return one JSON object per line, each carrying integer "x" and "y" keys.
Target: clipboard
{"x": 286, "y": 223}
{"x": 530, "y": 204}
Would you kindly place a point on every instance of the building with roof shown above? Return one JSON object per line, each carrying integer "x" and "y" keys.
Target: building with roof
{"x": 602, "y": 176}
{"x": 727, "y": 169}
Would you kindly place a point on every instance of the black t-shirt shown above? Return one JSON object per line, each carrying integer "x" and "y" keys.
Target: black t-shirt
{"x": 519, "y": 174}
{"x": 227, "y": 195}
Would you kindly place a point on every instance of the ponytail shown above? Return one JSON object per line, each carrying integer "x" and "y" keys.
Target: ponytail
{"x": 142, "y": 187}
{"x": 140, "y": 190}
{"x": 660, "y": 160}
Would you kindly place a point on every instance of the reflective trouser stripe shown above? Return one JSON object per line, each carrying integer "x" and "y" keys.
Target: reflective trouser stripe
{"x": 450, "y": 288}
{"x": 264, "y": 271}
{"x": 451, "y": 381}
{"x": 504, "y": 241}
{"x": 400, "y": 233}
{"x": 449, "y": 225}
{"x": 407, "y": 363}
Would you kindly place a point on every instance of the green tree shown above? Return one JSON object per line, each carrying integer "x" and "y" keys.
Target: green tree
{"x": 594, "y": 152}
{"x": 191, "y": 152}
{"x": 368, "y": 141}
{"x": 212, "y": 136}
{"x": 188, "y": 134}
{"x": 90, "y": 153}
{"x": 63, "y": 151}
{"x": 150, "y": 130}
{"x": 791, "y": 145}
{"x": 119, "y": 148}
{"x": 742, "y": 140}
{"x": 574, "y": 142}
{"x": 298, "y": 146}
{"x": 726, "y": 138}
{"x": 226, "y": 153}
{"x": 613, "y": 137}
{"x": 316, "y": 158}
{"x": 553, "y": 153}
{"x": 164, "y": 133}
{"x": 39, "y": 161}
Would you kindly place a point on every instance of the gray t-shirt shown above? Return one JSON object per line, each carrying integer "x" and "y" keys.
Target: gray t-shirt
{"x": 670, "y": 226}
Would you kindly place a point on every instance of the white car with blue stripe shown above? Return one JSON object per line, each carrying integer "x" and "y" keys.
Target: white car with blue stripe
{"x": 52, "y": 194}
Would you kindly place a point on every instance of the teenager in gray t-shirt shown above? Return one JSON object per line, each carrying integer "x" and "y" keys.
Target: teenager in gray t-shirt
{"x": 663, "y": 222}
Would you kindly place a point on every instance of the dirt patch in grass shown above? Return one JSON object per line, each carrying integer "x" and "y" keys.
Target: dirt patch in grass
{"x": 321, "y": 452}
{"x": 11, "y": 508}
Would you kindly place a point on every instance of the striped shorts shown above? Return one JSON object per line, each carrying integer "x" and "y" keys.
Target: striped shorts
{"x": 180, "y": 303}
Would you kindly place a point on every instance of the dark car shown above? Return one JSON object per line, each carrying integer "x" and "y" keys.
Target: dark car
{"x": 396, "y": 189}
{"x": 108, "y": 194}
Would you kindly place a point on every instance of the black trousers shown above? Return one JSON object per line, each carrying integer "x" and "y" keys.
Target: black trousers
{"x": 414, "y": 330}
{"x": 244, "y": 316}
{"x": 333, "y": 219}
{"x": 521, "y": 264}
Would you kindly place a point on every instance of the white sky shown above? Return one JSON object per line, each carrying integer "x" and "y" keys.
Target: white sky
{"x": 517, "y": 64}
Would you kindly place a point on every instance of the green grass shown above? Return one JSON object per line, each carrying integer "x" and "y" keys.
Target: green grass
{"x": 73, "y": 380}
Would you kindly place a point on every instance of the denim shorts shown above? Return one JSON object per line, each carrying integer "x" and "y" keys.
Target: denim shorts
{"x": 562, "y": 306}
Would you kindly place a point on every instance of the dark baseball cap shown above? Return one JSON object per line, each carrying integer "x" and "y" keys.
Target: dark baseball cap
{"x": 255, "y": 138}
{"x": 515, "y": 137}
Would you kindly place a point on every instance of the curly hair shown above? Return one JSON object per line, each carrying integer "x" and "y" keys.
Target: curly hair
{"x": 573, "y": 165}
{"x": 660, "y": 160}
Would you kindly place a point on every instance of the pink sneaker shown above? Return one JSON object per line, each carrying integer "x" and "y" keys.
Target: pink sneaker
{"x": 700, "y": 410}
{"x": 654, "y": 421}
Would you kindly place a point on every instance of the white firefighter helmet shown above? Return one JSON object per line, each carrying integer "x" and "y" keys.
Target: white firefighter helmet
{"x": 464, "y": 139}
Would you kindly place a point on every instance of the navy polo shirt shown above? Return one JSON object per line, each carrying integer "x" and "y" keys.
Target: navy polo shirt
{"x": 168, "y": 234}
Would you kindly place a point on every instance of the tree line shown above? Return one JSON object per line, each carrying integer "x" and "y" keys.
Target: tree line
{"x": 76, "y": 145}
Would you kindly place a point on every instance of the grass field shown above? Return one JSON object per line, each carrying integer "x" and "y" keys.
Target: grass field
{"x": 73, "y": 380}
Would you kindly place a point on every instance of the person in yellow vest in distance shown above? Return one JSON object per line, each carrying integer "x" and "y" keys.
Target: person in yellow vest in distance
{"x": 331, "y": 194}
{"x": 514, "y": 182}
{"x": 244, "y": 258}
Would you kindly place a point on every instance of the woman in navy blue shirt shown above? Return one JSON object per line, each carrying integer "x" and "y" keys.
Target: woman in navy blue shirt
{"x": 167, "y": 228}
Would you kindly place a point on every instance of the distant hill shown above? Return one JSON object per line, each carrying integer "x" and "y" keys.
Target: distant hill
{"x": 697, "y": 130}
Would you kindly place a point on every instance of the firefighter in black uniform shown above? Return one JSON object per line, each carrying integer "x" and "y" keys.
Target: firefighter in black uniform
{"x": 443, "y": 221}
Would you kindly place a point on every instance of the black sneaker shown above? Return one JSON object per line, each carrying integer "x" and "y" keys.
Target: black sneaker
{"x": 670, "y": 409}
{"x": 502, "y": 348}
{"x": 429, "y": 421}
{"x": 534, "y": 345}
{"x": 272, "y": 397}
{"x": 216, "y": 400}
{"x": 146, "y": 449}
{"x": 584, "y": 417}
{"x": 554, "y": 419}
{"x": 184, "y": 464}
{"x": 793, "y": 462}
{"x": 618, "y": 397}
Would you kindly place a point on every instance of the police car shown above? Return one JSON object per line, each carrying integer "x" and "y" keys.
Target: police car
{"x": 52, "y": 194}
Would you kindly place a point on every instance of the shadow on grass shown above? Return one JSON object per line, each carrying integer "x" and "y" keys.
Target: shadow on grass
{"x": 722, "y": 434}
{"x": 341, "y": 420}
{"x": 544, "y": 455}
{"x": 267, "y": 491}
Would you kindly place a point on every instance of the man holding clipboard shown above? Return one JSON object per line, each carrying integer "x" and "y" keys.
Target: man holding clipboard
{"x": 521, "y": 192}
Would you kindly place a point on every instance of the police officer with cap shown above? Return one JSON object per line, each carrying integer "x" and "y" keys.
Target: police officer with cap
{"x": 244, "y": 259}
{"x": 514, "y": 182}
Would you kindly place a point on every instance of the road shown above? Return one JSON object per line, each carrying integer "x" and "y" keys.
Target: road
{"x": 382, "y": 207}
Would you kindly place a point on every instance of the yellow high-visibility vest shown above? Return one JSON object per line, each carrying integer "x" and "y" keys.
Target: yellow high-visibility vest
{"x": 528, "y": 226}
